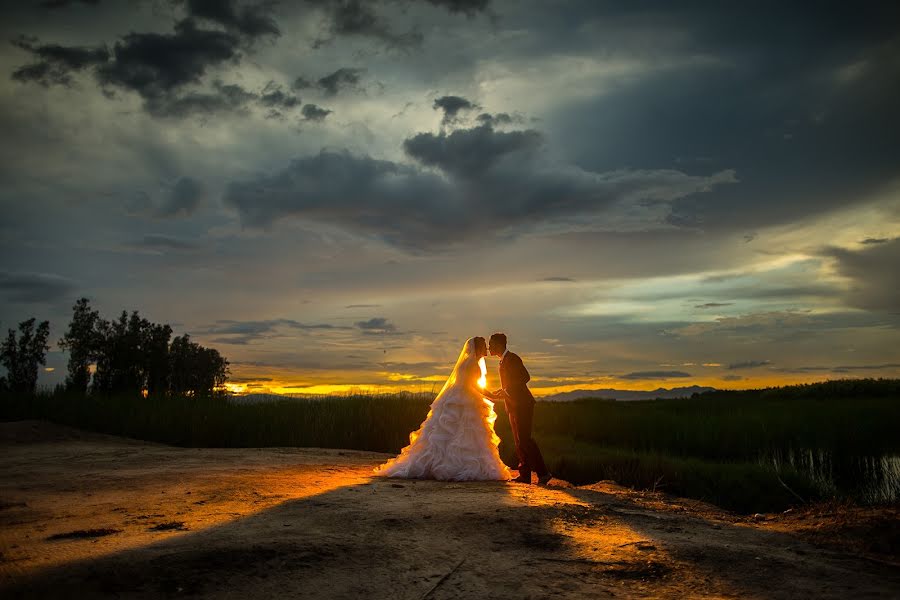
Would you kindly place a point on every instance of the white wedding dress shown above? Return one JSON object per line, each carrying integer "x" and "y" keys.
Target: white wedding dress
{"x": 456, "y": 442}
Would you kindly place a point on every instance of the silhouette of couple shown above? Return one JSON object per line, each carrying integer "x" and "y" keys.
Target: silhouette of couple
{"x": 456, "y": 441}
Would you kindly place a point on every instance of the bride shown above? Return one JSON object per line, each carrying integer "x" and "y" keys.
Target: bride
{"x": 456, "y": 442}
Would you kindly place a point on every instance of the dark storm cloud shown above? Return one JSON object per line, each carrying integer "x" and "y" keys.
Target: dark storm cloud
{"x": 160, "y": 66}
{"x": 222, "y": 98}
{"x": 499, "y": 119}
{"x": 55, "y": 63}
{"x": 273, "y": 96}
{"x": 748, "y": 364}
{"x": 712, "y": 304}
{"x": 804, "y": 111}
{"x": 469, "y": 7}
{"x": 62, "y": 3}
{"x": 358, "y": 18}
{"x": 156, "y": 64}
{"x": 311, "y": 112}
{"x": 185, "y": 197}
{"x": 452, "y": 105}
{"x": 469, "y": 153}
{"x": 559, "y": 279}
{"x": 493, "y": 181}
{"x": 868, "y": 241}
{"x": 361, "y": 18}
{"x": 330, "y": 85}
{"x": 35, "y": 287}
{"x": 249, "y": 20}
{"x": 874, "y": 272}
{"x": 341, "y": 79}
{"x": 655, "y": 375}
{"x": 302, "y": 83}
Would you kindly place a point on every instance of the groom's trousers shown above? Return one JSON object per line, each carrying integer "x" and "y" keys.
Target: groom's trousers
{"x": 521, "y": 417}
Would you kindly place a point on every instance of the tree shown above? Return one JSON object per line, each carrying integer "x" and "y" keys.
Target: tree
{"x": 81, "y": 341}
{"x": 120, "y": 356}
{"x": 133, "y": 356}
{"x": 194, "y": 370}
{"x": 156, "y": 358}
{"x": 22, "y": 356}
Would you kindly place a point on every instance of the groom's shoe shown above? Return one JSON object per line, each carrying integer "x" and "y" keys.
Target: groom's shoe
{"x": 544, "y": 479}
{"x": 522, "y": 479}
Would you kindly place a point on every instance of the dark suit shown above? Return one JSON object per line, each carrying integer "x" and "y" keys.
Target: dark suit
{"x": 520, "y": 409}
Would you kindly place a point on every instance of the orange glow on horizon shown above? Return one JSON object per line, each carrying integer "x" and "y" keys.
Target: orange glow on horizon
{"x": 286, "y": 382}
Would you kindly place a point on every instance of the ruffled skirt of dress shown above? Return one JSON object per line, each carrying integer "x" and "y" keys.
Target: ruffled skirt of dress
{"x": 456, "y": 442}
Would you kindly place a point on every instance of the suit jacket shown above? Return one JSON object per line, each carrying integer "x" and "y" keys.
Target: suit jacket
{"x": 514, "y": 377}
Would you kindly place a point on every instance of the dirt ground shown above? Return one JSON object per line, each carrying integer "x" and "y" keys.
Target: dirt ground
{"x": 88, "y": 515}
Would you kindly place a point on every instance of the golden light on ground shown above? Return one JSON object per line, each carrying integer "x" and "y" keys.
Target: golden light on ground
{"x": 214, "y": 487}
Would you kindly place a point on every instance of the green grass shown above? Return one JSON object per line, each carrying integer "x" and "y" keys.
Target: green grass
{"x": 827, "y": 439}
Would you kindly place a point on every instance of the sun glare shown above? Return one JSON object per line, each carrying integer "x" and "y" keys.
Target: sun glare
{"x": 482, "y": 381}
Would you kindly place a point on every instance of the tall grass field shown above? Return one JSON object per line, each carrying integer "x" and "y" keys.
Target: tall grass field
{"x": 749, "y": 451}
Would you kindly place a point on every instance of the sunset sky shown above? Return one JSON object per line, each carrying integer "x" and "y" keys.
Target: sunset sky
{"x": 336, "y": 194}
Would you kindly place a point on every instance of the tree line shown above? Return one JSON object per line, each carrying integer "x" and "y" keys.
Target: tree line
{"x": 126, "y": 356}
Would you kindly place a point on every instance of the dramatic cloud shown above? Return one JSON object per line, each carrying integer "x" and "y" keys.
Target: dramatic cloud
{"x": 874, "y": 273}
{"x": 62, "y": 3}
{"x": 154, "y": 64}
{"x": 452, "y": 105}
{"x": 358, "y": 18}
{"x": 311, "y": 112}
{"x": 249, "y": 20}
{"x": 498, "y": 119}
{"x": 35, "y": 287}
{"x": 160, "y": 66}
{"x": 494, "y": 181}
{"x": 339, "y": 80}
{"x": 469, "y": 153}
{"x": 622, "y": 188}
{"x": 56, "y": 63}
{"x": 469, "y": 7}
{"x": 222, "y": 99}
{"x": 274, "y": 97}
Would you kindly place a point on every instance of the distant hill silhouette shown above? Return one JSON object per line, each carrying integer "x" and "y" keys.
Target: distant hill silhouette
{"x": 613, "y": 394}
{"x": 679, "y": 392}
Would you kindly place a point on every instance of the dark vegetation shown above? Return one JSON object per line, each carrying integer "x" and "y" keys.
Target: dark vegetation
{"x": 754, "y": 451}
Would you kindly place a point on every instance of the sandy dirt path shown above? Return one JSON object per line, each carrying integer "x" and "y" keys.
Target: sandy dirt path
{"x": 88, "y": 515}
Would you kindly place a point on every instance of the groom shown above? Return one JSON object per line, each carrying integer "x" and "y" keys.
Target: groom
{"x": 519, "y": 408}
